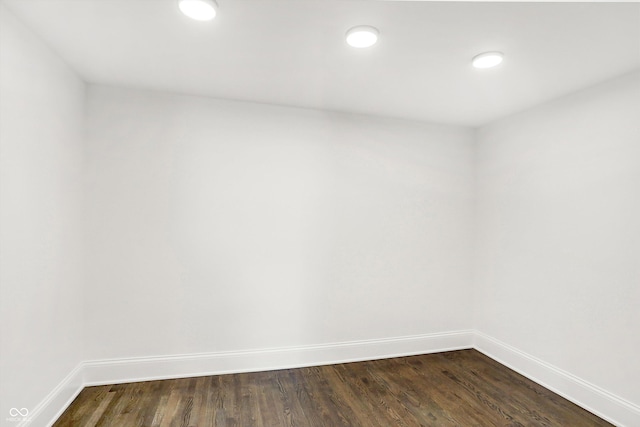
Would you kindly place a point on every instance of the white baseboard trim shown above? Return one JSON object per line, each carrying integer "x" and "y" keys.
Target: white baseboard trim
{"x": 99, "y": 372}
{"x": 193, "y": 365}
{"x": 57, "y": 401}
{"x": 604, "y": 404}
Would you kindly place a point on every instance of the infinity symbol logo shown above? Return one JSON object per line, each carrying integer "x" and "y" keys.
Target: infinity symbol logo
{"x": 14, "y": 412}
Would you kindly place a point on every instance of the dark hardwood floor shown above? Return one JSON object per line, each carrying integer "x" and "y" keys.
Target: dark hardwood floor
{"x": 459, "y": 388}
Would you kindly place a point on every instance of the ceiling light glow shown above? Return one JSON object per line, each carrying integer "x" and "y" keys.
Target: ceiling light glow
{"x": 362, "y": 36}
{"x": 487, "y": 59}
{"x": 200, "y": 10}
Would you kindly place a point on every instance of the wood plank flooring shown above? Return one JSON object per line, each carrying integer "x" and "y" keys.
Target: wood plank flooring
{"x": 458, "y": 388}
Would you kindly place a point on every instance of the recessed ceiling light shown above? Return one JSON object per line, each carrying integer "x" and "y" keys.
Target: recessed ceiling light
{"x": 200, "y": 10}
{"x": 487, "y": 59}
{"x": 362, "y": 36}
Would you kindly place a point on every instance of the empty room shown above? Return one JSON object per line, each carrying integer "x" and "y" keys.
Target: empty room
{"x": 319, "y": 213}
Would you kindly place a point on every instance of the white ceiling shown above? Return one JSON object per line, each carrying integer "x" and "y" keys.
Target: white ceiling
{"x": 292, "y": 52}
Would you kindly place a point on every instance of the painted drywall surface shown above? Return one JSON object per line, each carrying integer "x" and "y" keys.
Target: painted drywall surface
{"x": 558, "y": 234}
{"x": 215, "y": 225}
{"x": 41, "y": 257}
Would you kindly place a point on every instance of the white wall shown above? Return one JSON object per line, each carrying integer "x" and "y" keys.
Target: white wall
{"x": 41, "y": 148}
{"x": 558, "y": 256}
{"x": 215, "y": 226}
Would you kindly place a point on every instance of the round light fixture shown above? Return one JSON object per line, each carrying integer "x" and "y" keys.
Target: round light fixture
{"x": 362, "y": 36}
{"x": 200, "y": 10}
{"x": 487, "y": 59}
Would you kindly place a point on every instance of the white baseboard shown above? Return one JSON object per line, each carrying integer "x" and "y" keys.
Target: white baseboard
{"x": 180, "y": 366}
{"x": 594, "y": 399}
{"x": 590, "y": 397}
{"x": 57, "y": 401}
